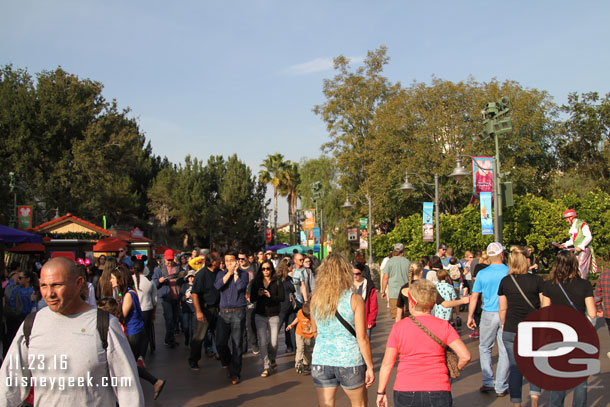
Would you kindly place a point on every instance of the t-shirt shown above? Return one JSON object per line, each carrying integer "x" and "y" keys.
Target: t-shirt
{"x": 203, "y": 286}
{"x": 304, "y": 276}
{"x": 397, "y": 270}
{"x": 577, "y": 290}
{"x": 304, "y": 325}
{"x": 487, "y": 283}
{"x": 70, "y": 346}
{"x": 518, "y": 309}
{"x": 421, "y": 361}
{"x": 335, "y": 345}
{"x": 448, "y": 293}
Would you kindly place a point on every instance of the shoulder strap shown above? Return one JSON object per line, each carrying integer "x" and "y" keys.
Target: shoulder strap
{"x": 427, "y": 331}
{"x": 103, "y": 322}
{"x": 345, "y": 324}
{"x": 521, "y": 291}
{"x": 566, "y": 294}
{"x": 27, "y": 327}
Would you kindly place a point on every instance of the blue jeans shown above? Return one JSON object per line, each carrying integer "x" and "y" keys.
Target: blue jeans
{"x": 490, "y": 331}
{"x": 230, "y": 327}
{"x": 267, "y": 329}
{"x": 515, "y": 378}
{"x": 579, "y": 400}
{"x": 422, "y": 398}
{"x": 170, "y": 314}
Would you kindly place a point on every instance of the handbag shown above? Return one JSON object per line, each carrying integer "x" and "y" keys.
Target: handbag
{"x": 591, "y": 320}
{"x": 451, "y": 358}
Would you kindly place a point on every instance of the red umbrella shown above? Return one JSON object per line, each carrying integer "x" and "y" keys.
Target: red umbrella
{"x": 28, "y": 248}
{"x": 109, "y": 244}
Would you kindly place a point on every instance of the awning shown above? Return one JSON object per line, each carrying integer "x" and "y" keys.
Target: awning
{"x": 109, "y": 244}
{"x": 10, "y": 235}
{"x": 28, "y": 248}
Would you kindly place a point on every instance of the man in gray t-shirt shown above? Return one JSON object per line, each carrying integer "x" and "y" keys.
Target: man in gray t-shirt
{"x": 395, "y": 275}
{"x": 65, "y": 360}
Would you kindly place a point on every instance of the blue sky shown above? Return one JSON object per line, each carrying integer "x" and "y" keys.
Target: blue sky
{"x": 224, "y": 77}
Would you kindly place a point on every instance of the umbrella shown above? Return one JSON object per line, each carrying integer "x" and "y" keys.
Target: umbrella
{"x": 109, "y": 244}
{"x": 10, "y": 235}
{"x": 28, "y": 248}
{"x": 276, "y": 247}
{"x": 290, "y": 249}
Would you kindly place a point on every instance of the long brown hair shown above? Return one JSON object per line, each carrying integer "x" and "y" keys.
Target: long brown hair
{"x": 333, "y": 278}
{"x": 566, "y": 267}
{"x": 104, "y": 288}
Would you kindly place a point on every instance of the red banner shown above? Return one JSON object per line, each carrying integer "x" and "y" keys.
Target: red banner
{"x": 268, "y": 234}
{"x": 482, "y": 176}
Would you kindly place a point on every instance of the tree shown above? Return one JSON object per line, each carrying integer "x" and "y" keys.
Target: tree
{"x": 583, "y": 148}
{"x": 273, "y": 172}
{"x": 288, "y": 188}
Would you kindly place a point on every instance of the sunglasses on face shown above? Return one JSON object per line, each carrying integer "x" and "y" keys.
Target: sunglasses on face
{"x": 266, "y": 268}
{"x": 242, "y": 258}
{"x": 357, "y": 274}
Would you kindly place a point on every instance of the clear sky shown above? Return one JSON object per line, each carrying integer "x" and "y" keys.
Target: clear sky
{"x": 224, "y": 77}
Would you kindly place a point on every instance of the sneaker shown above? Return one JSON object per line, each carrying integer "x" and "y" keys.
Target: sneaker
{"x": 504, "y": 393}
{"x": 141, "y": 363}
{"x": 255, "y": 351}
{"x": 474, "y": 335}
{"x": 265, "y": 373}
{"x": 299, "y": 368}
{"x": 486, "y": 389}
{"x": 193, "y": 365}
{"x": 235, "y": 380}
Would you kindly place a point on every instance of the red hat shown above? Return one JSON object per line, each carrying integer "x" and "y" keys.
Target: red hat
{"x": 169, "y": 254}
{"x": 569, "y": 213}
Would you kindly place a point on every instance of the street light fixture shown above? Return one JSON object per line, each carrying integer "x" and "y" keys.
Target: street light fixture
{"x": 408, "y": 187}
{"x": 348, "y": 205}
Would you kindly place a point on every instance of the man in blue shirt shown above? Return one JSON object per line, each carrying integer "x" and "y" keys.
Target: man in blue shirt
{"x": 486, "y": 284}
{"x": 232, "y": 285}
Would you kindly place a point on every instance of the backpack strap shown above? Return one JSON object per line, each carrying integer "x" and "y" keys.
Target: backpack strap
{"x": 103, "y": 322}
{"x": 27, "y": 327}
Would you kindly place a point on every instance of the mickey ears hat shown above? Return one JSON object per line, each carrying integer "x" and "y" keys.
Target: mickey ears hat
{"x": 569, "y": 213}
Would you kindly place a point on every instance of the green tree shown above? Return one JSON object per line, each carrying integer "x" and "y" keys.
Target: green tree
{"x": 274, "y": 173}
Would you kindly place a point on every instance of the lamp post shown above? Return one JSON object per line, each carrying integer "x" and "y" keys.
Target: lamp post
{"x": 349, "y": 205}
{"x": 407, "y": 187}
{"x": 458, "y": 175}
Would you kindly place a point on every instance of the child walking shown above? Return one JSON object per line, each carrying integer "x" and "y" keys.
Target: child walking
{"x": 305, "y": 338}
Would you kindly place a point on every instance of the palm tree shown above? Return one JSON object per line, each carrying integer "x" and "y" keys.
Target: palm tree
{"x": 288, "y": 188}
{"x": 274, "y": 173}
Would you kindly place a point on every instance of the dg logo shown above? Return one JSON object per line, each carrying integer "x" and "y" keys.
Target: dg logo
{"x": 557, "y": 348}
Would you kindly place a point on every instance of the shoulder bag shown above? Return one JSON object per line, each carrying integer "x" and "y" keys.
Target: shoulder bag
{"x": 521, "y": 291}
{"x": 451, "y": 358}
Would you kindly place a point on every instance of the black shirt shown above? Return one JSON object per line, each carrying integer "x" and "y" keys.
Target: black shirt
{"x": 203, "y": 286}
{"x": 577, "y": 290}
{"x": 267, "y": 306}
{"x": 518, "y": 309}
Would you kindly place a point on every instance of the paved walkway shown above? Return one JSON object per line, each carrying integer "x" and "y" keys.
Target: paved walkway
{"x": 209, "y": 387}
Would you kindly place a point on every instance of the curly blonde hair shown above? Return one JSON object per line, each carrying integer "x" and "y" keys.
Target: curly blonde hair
{"x": 333, "y": 278}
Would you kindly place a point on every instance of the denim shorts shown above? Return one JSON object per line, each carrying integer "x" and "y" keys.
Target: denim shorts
{"x": 422, "y": 398}
{"x": 332, "y": 376}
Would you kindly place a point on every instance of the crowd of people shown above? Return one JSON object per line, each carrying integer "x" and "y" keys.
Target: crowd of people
{"x": 225, "y": 306}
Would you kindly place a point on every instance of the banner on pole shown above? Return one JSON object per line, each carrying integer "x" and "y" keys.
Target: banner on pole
{"x": 303, "y": 238}
{"x": 268, "y": 234}
{"x": 364, "y": 243}
{"x": 428, "y": 216}
{"x": 316, "y": 240}
{"x": 364, "y": 223}
{"x": 482, "y": 176}
{"x": 310, "y": 219}
{"x": 25, "y": 216}
{"x": 487, "y": 223}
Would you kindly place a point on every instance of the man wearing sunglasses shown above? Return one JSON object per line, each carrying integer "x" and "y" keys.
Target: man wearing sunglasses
{"x": 250, "y": 338}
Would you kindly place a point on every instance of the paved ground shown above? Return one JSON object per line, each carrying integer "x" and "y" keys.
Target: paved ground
{"x": 209, "y": 386}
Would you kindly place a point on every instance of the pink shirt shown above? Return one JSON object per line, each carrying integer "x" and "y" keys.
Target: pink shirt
{"x": 421, "y": 361}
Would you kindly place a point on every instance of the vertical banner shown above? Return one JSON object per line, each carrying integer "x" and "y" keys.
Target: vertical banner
{"x": 487, "y": 223}
{"x": 310, "y": 219}
{"x": 364, "y": 223}
{"x": 364, "y": 242}
{"x": 303, "y": 238}
{"x": 268, "y": 234}
{"x": 482, "y": 176}
{"x": 316, "y": 240}
{"x": 25, "y": 216}
{"x": 427, "y": 219}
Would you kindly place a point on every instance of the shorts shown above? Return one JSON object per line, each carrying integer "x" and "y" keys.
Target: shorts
{"x": 332, "y": 376}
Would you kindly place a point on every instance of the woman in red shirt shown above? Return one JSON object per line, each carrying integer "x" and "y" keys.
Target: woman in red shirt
{"x": 422, "y": 378}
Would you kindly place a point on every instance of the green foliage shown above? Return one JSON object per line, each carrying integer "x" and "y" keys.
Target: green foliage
{"x": 76, "y": 235}
{"x": 532, "y": 221}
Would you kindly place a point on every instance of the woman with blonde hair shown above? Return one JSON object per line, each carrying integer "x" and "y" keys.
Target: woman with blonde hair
{"x": 416, "y": 271}
{"x": 422, "y": 377}
{"x": 519, "y": 294}
{"x": 342, "y": 354}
